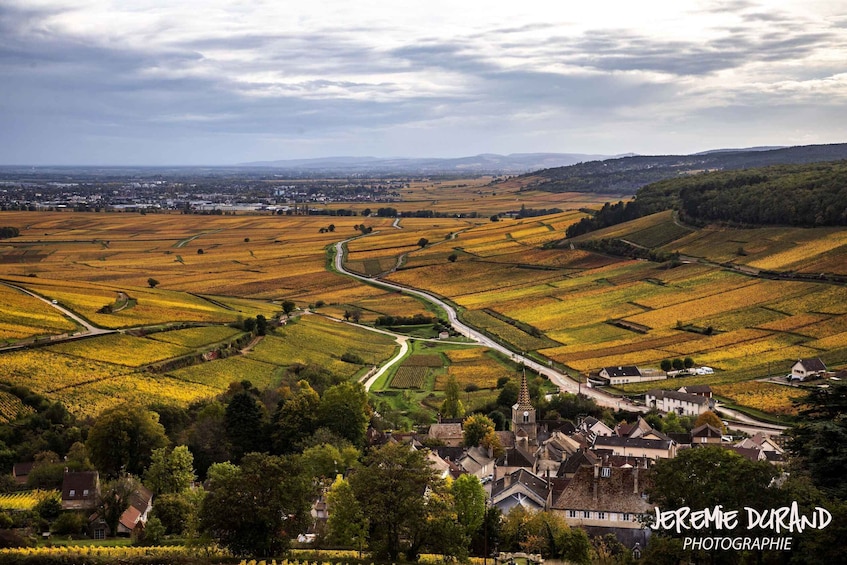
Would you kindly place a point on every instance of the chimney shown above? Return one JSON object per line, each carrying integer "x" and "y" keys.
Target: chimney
{"x": 594, "y": 486}
{"x": 507, "y": 480}
{"x": 635, "y": 480}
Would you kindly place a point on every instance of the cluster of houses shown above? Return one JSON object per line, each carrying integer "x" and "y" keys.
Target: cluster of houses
{"x": 591, "y": 474}
{"x": 81, "y": 491}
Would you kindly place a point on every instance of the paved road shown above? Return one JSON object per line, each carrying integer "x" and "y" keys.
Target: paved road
{"x": 564, "y": 382}
{"x": 742, "y": 422}
{"x": 90, "y": 330}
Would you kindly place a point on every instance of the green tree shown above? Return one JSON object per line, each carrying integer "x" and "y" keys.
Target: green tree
{"x": 49, "y": 506}
{"x": 294, "y": 420}
{"x": 678, "y": 364}
{"x": 422, "y": 242}
{"x": 245, "y": 424}
{"x": 207, "y": 437}
{"x": 508, "y": 394}
{"x": 452, "y": 407}
{"x": 545, "y": 533}
{"x": 666, "y": 365}
{"x": 452, "y": 257}
{"x": 469, "y": 498}
{"x": 475, "y": 429}
{"x": 688, "y": 362}
{"x": 326, "y": 460}
{"x": 347, "y": 524}
{"x": 152, "y": 283}
{"x": 390, "y": 487}
{"x": 114, "y": 499}
{"x": 708, "y": 476}
{"x": 174, "y": 511}
{"x": 153, "y": 533}
{"x": 257, "y": 509}
{"x": 261, "y": 325}
{"x": 344, "y": 410}
{"x": 288, "y": 307}
{"x": 170, "y": 471}
{"x": 123, "y": 438}
{"x": 444, "y": 534}
{"x": 819, "y": 441}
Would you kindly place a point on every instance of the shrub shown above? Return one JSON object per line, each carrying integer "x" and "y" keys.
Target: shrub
{"x": 69, "y": 523}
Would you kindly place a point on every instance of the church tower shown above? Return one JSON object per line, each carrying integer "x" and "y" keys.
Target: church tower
{"x": 523, "y": 416}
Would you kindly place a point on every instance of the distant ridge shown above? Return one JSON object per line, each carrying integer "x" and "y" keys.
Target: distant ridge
{"x": 626, "y": 175}
{"x": 515, "y": 163}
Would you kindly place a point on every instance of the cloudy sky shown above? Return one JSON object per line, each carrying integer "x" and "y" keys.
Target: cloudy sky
{"x": 213, "y": 82}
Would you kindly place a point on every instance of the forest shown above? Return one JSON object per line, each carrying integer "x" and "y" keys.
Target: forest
{"x": 811, "y": 195}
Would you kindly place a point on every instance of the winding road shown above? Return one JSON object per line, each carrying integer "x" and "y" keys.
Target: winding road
{"x": 737, "y": 420}
{"x": 564, "y": 382}
{"x": 89, "y": 330}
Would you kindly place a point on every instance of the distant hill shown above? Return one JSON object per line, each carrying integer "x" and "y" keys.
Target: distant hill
{"x": 489, "y": 163}
{"x": 626, "y": 175}
{"x": 809, "y": 195}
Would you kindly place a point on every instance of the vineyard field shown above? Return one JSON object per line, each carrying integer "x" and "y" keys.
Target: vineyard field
{"x": 410, "y": 376}
{"x": 11, "y": 407}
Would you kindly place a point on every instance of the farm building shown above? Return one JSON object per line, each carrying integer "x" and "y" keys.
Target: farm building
{"x": 682, "y": 403}
{"x": 807, "y": 369}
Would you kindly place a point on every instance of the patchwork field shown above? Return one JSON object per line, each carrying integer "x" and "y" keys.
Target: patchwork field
{"x": 76, "y": 373}
{"x": 512, "y": 278}
{"x": 600, "y": 311}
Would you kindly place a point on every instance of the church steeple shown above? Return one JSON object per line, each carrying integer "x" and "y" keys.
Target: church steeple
{"x": 524, "y": 402}
{"x": 523, "y": 415}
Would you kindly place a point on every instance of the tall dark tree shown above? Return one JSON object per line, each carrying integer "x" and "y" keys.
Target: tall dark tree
{"x": 207, "y": 437}
{"x": 245, "y": 424}
{"x": 288, "y": 307}
{"x": 295, "y": 420}
{"x": 819, "y": 441}
{"x": 261, "y": 325}
{"x": 256, "y": 509}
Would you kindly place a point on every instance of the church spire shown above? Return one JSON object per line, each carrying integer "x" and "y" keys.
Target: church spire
{"x": 524, "y": 402}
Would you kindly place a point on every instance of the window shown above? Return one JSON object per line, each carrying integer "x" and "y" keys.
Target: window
{"x": 85, "y": 492}
{"x": 72, "y": 493}
{"x": 601, "y": 515}
{"x": 626, "y": 517}
{"x": 586, "y": 514}
{"x": 571, "y": 513}
{"x": 100, "y": 533}
{"x": 606, "y": 472}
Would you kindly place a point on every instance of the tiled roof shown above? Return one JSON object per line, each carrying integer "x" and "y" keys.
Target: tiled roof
{"x": 706, "y": 430}
{"x": 812, "y": 364}
{"x": 532, "y": 483}
{"x": 625, "y": 371}
{"x": 632, "y": 443}
{"x": 616, "y": 493}
{"x": 79, "y": 482}
{"x": 681, "y": 396}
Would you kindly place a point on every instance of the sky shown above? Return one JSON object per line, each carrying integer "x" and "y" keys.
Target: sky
{"x": 207, "y": 82}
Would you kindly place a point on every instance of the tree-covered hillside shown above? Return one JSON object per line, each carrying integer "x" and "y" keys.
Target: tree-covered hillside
{"x": 795, "y": 195}
{"x": 626, "y": 175}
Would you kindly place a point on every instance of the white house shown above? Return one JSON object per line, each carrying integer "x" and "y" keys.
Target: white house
{"x": 806, "y": 369}
{"x": 682, "y": 403}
